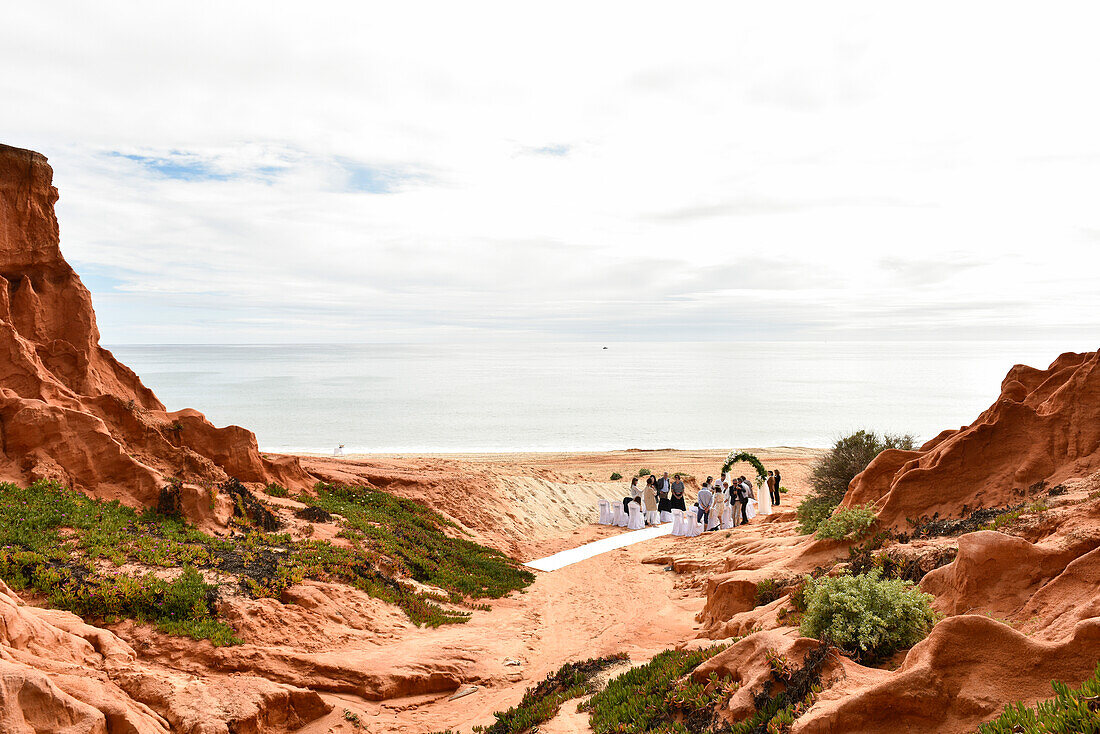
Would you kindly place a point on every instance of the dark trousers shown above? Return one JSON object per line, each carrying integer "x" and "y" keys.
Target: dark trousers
{"x": 774, "y": 491}
{"x": 744, "y": 512}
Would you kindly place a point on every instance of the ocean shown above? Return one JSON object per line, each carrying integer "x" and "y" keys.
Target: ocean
{"x": 565, "y": 397}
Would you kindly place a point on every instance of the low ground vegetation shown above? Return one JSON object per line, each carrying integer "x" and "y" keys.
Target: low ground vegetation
{"x": 1072, "y": 710}
{"x": 81, "y": 554}
{"x": 656, "y": 697}
{"x": 541, "y": 703}
{"x": 276, "y": 490}
{"x": 798, "y": 688}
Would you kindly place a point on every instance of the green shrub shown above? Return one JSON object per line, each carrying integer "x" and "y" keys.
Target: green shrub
{"x": 541, "y": 703}
{"x": 867, "y": 616}
{"x": 652, "y": 697}
{"x": 615, "y": 476}
{"x": 834, "y": 471}
{"x": 1069, "y": 712}
{"x": 644, "y": 472}
{"x": 850, "y": 523}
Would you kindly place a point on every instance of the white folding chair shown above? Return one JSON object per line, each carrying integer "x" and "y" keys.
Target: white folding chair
{"x": 605, "y": 512}
{"x": 727, "y": 517}
{"x": 635, "y": 522}
{"x": 621, "y": 516}
{"x": 653, "y": 517}
{"x": 677, "y": 522}
{"x": 691, "y": 525}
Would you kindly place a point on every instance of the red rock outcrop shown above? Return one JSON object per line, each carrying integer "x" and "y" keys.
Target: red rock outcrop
{"x": 68, "y": 409}
{"x": 1044, "y": 428}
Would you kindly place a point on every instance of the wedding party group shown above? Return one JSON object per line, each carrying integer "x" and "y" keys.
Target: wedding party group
{"x": 720, "y": 504}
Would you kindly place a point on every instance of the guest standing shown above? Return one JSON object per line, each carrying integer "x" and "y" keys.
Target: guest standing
{"x": 705, "y": 500}
{"x": 634, "y": 496}
{"x": 778, "y": 478}
{"x": 736, "y": 502}
{"x": 743, "y": 497}
{"x": 678, "y": 495}
{"x": 664, "y": 501}
{"x": 650, "y": 501}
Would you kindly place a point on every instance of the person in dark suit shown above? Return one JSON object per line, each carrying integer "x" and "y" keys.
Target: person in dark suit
{"x": 677, "y": 494}
{"x": 775, "y": 497}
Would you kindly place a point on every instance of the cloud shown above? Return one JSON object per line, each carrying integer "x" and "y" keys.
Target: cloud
{"x": 558, "y": 150}
{"x": 420, "y": 174}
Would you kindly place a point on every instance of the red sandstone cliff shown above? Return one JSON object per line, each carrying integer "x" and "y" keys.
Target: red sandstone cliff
{"x": 1044, "y": 428}
{"x": 68, "y": 409}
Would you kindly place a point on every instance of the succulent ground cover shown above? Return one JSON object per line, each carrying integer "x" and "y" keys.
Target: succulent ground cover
{"x": 106, "y": 561}
{"x": 658, "y": 697}
{"x": 1072, "y": 710}
{"x": 540, "y": 703}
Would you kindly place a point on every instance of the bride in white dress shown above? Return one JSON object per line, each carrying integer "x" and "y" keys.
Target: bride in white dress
{"x": 763, "y": 497}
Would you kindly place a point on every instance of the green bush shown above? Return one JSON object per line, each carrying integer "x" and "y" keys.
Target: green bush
{"x": 615, "y": 476}
{"x": 1069, "y": 712}
{"x": 834, "y": 471}
{"x": 852, "y": 523}
{"x": 867, "y": 616}
{"x": 644, "y": 472}
{"x": 652, "y": 697}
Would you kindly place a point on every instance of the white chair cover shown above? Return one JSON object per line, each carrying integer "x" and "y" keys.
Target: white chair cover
{"x": 653, "y": 517}
{"x": 616, "y": 512}
{"x": 750, "y": 511}
{"x": 635, "y": 522}
{"x": 727, "y": 517}
{"x": 605, "y": 512}
{"x": 677, "y": 522}
{"x": 623, "y": 515}
{"x": 691, "y": 523}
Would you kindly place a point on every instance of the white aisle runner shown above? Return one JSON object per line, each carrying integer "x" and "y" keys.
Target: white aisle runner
{"x": 573, "y": 555}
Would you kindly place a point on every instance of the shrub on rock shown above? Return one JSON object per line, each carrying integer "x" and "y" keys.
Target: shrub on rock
{"x": 851, "y": 524}
{"x": 835, "y": 471}
{"x": 867, "y": 616}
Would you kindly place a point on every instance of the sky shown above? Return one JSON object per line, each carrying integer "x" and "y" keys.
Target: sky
{"x": 462, "y": 172}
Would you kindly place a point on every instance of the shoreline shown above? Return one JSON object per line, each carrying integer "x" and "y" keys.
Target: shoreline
{"x": 488, "y": 455}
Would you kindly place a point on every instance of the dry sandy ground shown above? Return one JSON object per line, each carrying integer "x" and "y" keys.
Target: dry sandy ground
{"x": 607, "y": 604}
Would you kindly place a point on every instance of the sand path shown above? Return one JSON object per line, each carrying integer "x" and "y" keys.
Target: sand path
{"x": 605, "y": 604}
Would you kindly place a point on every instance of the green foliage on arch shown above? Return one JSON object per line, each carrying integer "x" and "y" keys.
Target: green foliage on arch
{"x": 736, "y": 456}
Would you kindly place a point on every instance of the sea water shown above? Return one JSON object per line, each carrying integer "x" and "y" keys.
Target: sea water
{"x": 523, "y": 397}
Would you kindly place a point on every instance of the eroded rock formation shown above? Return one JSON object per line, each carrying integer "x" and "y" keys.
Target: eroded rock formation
{"x": 68, "y": 409}
{"x": 1044, "y": 427}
